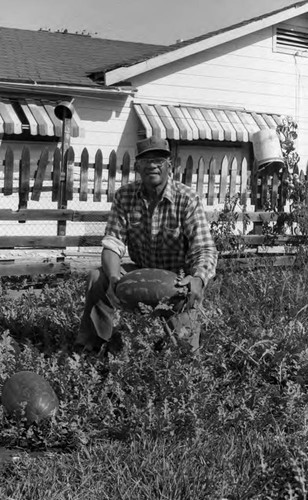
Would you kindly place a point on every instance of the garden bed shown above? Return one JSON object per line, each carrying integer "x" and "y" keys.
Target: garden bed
{"x": 159, "y": 423}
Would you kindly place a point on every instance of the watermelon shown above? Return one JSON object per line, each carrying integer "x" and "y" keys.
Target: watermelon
{"x": 30, "y": 393}
{"x": 147, "y": 286}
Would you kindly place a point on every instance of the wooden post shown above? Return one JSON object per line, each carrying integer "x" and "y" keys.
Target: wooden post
{"x": 98, "y": 175}
{"x": 233, "y": 177}
{"x": 200, "y": 177}
{"x": 112, "y": 171}
{"x": 56, "y": 174}
{"x": 24, "y": 178}
{"x": 257, "y": 226}
{"x": 188, "y": 172}
{"x": 125, "y": 168}
{"x": 283, "y": 191}
{"x": 84, "y": 168}
{"x": 177, "y": 168}
{"x": 223, "y": 180}
{"x": 8, "y": 172}
{"x": 244, "y": 192}
{"x": 211, "y": 185}
{"x": 39, "y": 176}
{"x": 64, "y": 111}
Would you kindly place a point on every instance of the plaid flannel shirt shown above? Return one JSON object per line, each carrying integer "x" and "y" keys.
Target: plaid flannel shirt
{"x": 175, "y": 236}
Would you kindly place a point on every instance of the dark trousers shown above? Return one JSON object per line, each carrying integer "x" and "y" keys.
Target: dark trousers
{"x": 97, "y": 319}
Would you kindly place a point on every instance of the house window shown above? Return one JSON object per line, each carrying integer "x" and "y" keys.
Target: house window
{"x": 291, "y": 39}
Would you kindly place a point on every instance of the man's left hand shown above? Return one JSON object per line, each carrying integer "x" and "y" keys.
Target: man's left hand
{"x": 195, "y": 289}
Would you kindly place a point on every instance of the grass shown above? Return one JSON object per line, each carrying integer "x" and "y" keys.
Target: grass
{"x": 142, "y": 469}
{"x": 152, "y": 424}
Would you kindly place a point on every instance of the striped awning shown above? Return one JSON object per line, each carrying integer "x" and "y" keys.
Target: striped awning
{"x": 193, "y": 122}
{"x": 36, "y": 116}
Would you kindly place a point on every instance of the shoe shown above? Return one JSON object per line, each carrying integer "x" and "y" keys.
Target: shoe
{"x": 88, "y": 344}
{"x": 94, "y": 347}
{"x": 115, "y": 344}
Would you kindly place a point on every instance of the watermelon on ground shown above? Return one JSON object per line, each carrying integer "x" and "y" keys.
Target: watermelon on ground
{"x": 28, "y": 392}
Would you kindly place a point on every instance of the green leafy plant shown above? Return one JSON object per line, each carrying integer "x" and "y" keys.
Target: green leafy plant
{"x": 224, "y": 228}
{"x": 287, "y": 132}
{"x": 294, "y": 188}
{"x": 153, "y": 420}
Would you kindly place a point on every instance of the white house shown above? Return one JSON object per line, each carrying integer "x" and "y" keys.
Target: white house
{"x": 207, "y": 95}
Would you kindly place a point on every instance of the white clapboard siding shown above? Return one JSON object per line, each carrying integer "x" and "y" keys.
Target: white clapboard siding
{"x": 238, "y": 70}
{"x": 242, "y": 86}
{"x": 108, "y": 124}
{"x": 254, "y": 66}
{"x": 218, "y": 72}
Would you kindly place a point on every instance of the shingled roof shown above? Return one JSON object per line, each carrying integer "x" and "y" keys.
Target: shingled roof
{"x": 63, "y": 58}
{"x": 46, "y": 57}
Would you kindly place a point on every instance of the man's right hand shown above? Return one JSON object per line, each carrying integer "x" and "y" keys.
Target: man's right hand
{"x": 111, "y": 295}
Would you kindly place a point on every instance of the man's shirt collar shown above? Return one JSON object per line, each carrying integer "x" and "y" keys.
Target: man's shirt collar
{"x": 168, "y": 194}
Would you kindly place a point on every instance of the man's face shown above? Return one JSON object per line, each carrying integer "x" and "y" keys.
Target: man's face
{"x": 153, "y": 170}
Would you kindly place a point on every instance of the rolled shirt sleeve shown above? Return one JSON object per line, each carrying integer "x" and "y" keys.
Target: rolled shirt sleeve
{"x": 202, "y": 254}
{"x": 111, "y": 243}
{"x": 115, "y": 237}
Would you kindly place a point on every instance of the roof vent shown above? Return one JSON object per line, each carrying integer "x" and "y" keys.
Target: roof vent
{"x": 289, "y": 39}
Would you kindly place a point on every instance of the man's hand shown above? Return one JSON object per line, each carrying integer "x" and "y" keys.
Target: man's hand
{"x": 195, "y": 290}
{"x": 110, "y": 294}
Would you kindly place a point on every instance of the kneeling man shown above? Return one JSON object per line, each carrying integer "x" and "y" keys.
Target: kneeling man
{"x": 162, "y": 224}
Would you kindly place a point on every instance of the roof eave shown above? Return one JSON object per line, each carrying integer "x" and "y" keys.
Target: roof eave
{"x": 74, "y": 90}
{"x": 123, "y": 73}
